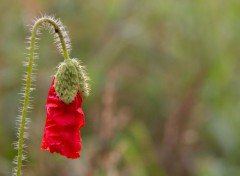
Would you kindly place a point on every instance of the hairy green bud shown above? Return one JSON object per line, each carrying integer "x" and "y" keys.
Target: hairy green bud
{"x": 67, "y": 83}
{"x": 70, "y": 77}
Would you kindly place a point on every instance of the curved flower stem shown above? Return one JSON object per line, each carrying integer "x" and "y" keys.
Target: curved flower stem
{"x": 57, "y": 29}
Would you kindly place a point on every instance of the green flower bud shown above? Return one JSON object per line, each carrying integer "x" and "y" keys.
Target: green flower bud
{"x": 67, "y": 82}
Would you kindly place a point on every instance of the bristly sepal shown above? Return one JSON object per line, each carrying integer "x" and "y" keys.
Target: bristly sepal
{"x": 66, "y": 84}
{"x": 82, "y": 78}
{"x": 71, "y": 78}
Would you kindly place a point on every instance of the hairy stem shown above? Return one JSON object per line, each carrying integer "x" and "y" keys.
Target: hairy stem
{"x": 57, "y": 29}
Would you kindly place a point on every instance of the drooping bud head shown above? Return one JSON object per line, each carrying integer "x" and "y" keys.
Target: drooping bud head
{"x": 70, "y": 78}
{"x": 66, "y": 84}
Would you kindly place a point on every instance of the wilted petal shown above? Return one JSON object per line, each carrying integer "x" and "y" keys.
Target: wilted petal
{"x": 62, "y": 128}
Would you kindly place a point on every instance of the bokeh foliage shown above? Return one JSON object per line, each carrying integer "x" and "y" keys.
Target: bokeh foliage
{"x": 165, "y": 90}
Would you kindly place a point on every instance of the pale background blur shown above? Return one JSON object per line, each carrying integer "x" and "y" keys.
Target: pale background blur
{"x": 165, "y": 82}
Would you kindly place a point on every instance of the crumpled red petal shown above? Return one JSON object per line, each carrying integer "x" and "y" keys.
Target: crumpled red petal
{"x": 61, "y": 132}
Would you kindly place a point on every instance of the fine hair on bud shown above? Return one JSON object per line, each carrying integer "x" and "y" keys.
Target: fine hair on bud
{"x": 82, "y": 78}
{"x": 70, "y": 78}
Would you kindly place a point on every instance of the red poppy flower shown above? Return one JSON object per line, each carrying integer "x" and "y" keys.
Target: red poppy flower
{"x": 62, "y": 128}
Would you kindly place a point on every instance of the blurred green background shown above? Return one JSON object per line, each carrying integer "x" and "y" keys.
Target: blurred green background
{"x": 165, "y": 84}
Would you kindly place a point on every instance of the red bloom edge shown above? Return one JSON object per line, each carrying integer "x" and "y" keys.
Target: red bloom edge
{"x": 62, "y": 127}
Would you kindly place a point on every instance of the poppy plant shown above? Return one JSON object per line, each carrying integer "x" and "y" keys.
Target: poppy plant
{"x": 64, "y": 102}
